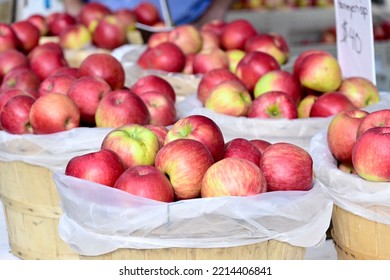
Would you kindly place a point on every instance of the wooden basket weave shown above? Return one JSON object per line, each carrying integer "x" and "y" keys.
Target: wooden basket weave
{"x": 357, "y": 238}
{"x": 268, "y": 250}
{"x": 32, "y": 210}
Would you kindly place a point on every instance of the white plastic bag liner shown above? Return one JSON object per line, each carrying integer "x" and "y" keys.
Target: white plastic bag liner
{"x": 52, "y": 151}
{"x": 296, "y": 131}
{"x": 98, "y": 219}
{"x": 370, "y": 200}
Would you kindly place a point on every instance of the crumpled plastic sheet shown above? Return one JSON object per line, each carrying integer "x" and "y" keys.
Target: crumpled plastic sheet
{"x": 98, "y": 219}
{"x": 367, "y": 199}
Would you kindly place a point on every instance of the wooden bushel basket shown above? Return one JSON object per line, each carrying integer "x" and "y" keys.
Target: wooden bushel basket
{"x": 357, "y": 238}
{"x": 32, "y": 210}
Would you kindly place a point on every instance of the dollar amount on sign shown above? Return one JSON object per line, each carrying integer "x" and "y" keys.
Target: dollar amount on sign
{"x": 350, "y": 35}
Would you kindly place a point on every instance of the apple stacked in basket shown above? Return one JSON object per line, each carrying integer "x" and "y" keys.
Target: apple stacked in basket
{"x": 360, "y": 142}
{"x": 191, "y": 160}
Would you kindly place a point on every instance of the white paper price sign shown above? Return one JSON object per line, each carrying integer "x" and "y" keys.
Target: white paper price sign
{"x": 355, "y": 41}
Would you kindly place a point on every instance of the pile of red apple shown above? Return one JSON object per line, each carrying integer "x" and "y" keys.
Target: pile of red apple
{"x": 191, "y": 160}
{"x": 360, "y": 143}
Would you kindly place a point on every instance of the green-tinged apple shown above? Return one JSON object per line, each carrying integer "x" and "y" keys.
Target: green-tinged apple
{"x": 329, "y": 104}
{"x": 260, "y": 144}
{"x": 184, "y": 162}
{"x": 153, "y": 83}
{"x": 134, "y": 144}
{"x": 110, "y": 33}
{"x": 56, "y": 84}
{"x": 212, "y": 79}
{"x": 209, "y": 59}
{"x": 15, "y": 117}
{"x": 21, "y": 78}
{"x": 302, "y": 56}
{"x": 63, "y": 114}
{"x": 233, "y": 177}
{"x": 287, "y": 167}
{"x": 86, "y": 92}
{"x": 373, "y": 119}
{"x": 75, "y": 37}
{"x": 161, "y": 108}
{"x": 304, "y": 106}
{"x": 160, "y": 131}
{"x": 235, "y": 34}
{"x": 146, "y": 181}
{"x": 361, "y": 91}
{"x": 273, "y": 105}
{"x": 187, "y": 37}
{"x": 234, "y": 57}
{"x": 242, "y": 148}
{"x": 102, "y": 167}
{"x": 279, "y": 80}
{"x": 346, "y": 167}
{"x": 202, "y": 129}
{"x": 342, "y": 131}
{"x": 105, "y": 66}
{"x": 370, "y": 154}
{"x": 230, "y": 97}
{"x": 121, "y": 107}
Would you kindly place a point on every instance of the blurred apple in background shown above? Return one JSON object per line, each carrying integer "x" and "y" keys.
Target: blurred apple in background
{"x": 102, "y": 167}
{"x": 341, "y": 133}
{"x": 153, "y": 83}
{"x": 47, "y": 46}
{"x": 40, "y": 22}
{"x": 105, "y": 66}
{"x": 157, "y": 38}
{"x": 234, "y": 57}
{"x": 373, "y": 119}
{"x": 209, "y": 59}
{"x": 86, "y": 92}
{"x": 126, "y": 17}
{"x": 328, "y": 36}
{"x": 75, "y": 37}
{"x": 146, "y": 181}
{"x": 370, "y": 154}
{"x": 91, "y": 13}
{"x": 305, "y": 105}
{"x": 210, "y": 40}
{"x": 11, "y": 59}
{"x": 21, "y": 78}
{"x": 56, "y": 84}
{"x": 110, "y": 33}
{"x": 329, "y": 104}
{"x": 188, "y": 66}
{"x": 121, "y": 107}
{"x": 361, "y": 91}
{"x": 133, "y": 143}
{"x": 59, "y": 21}
{"x": 15, "y": 117}
{"x": 287, "y": 167}
{"x": 242, "y": 148}
{"x": 8, "y": 39}
{"x": 233, "y": 177}
{"x": 202, "y": 129}
{"x": 160, "y": 131}
{"x": 187, "y": 37}
{"x": 235, "y": 34}
{"x": 147, "y": 13}
{"x": 47, "y": 61}
{"x": 27, "y": 33}
{"x": 216, "y": 26}
{"x": 184, "y": 162}
{"x": 230, "y": 97}
{"x": 273, "y": 105}
{"x": 63, "y": 114}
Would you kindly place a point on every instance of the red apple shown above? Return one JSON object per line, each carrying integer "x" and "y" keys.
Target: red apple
{"x": 200, "y": 128}
{"x": 110, "y": 33}
{"x": 242, "y": 148}
{"x": 233, "y": 177}
{"x": 153, "y": 83}
{"x": 341, "y": 133}
{"x": 8, "y": 39}
{"x": 161, "y": 108}
{"x": 187, "y": 37}
{"x": 373, "y": 119}
{"x": 253, "y": 66}
{"x": 210, "y": 40}
{"x": 39, "y": 20}
{"x": 329, "y": 104}
{"x": 59, "y": 21}
{"x": 6, "y": 95}
{"x": 11, "y": 59}
{"x": 361, "y": 91}
{"x": 21, "y": 78}
{"x": 146, "y": 181}
{"x": 134, "y": 144}
{"x": 76, "y": 37}
{"x": 160, "y": 131}
{"x": 47, "y": 46}
{"x": 157, "y": 38}
{"x": 184, "y": 161}
{"x": 216, "y": 26}
{"x": 104, "y": 66}
{"x": 63, "y": 114}
{"x": 86, "y": 92}
{"x": 45, "y": 62}
{"x": 273, "y": 104}
{"x": 91, "y": 13}
{"x": 147, "y": 13}
{"x": 126, "y": 17}
{"x": 102, "y": 167}
{"x": 15, "y": 115}
{"x": 66, "y": 70}
{"x": 287, "y": 167}
{"x": 235, "y": 34}
{"x": 260, "y": 144}
{"x": 209, "y": 59}
{"x": 27, "y": 33}
{"x": 121, "y": 107}
{"x": 370, "y": 154}
{"x": 56, "y": 84}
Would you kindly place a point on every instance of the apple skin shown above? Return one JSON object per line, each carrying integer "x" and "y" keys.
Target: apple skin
{"x": 102, "y": 167}
{"x": 146, "y": 181}
{"x": 15, "y": 115}
{"x": 67, "y": 70}
{"x": 187, "y": 37}
{"x": 63, "y": 114}
{"x": 233, "y": 177}
{"x": 147, "y": 13}
{"x": 242, "y": 148}
{"x": 153, "y": 83}
{"x": 28, "y": 35}
{"x": 86, "y": 92}
{"x": 361, "y": 91}
{"x": 209, "y": 59}
{"x": 92, "y": 12}
{"x": 160, "y": 131}
{"x": 346, "y": 167}
{"x": 157, "y": 38}
{"x": 40, "y": 22}
{"x": 260, "y": 144}
{"x": 11, "y": 59}
{"x": 230, "y": 97}
{"x": 45, "y": 62}
{"x": 273, "y": 104}
{"x": 279, "y": 80}
{"x": 59, "y": 21}
{"x": 127, "y": 17}
{"x": 341, "y": 133}
{"x": 110, "y": 33}
{"x": 370, "y": 154}
{"x": 57, "y": 84}
{"x": 216, "y": 26}
{"x": 8, "y": 39}
{"x": 121, "y": 107}
{"x": 211, "y": 79}
{"x": 104, "y": 66}
{"x": 373, "y": 119}
{"x": 161, "y": 108}
{"x": 47, "y": 46}
{"x": 235, "y": 34}
{"x": 21, "y": 78}
{"x": 329, "y": 104}
{"x": 184, "y": 161}
{"x": 75, "y": 37}
{"x": 305, "y": 105}
{"x": 210, "y": 40}
{"x": 287, "y": 167}
{"x": 234, "y": 57}
{"x": 301, "y": 57}
{"x": 253, "y": 66}
{"x": 134, "y": 144}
